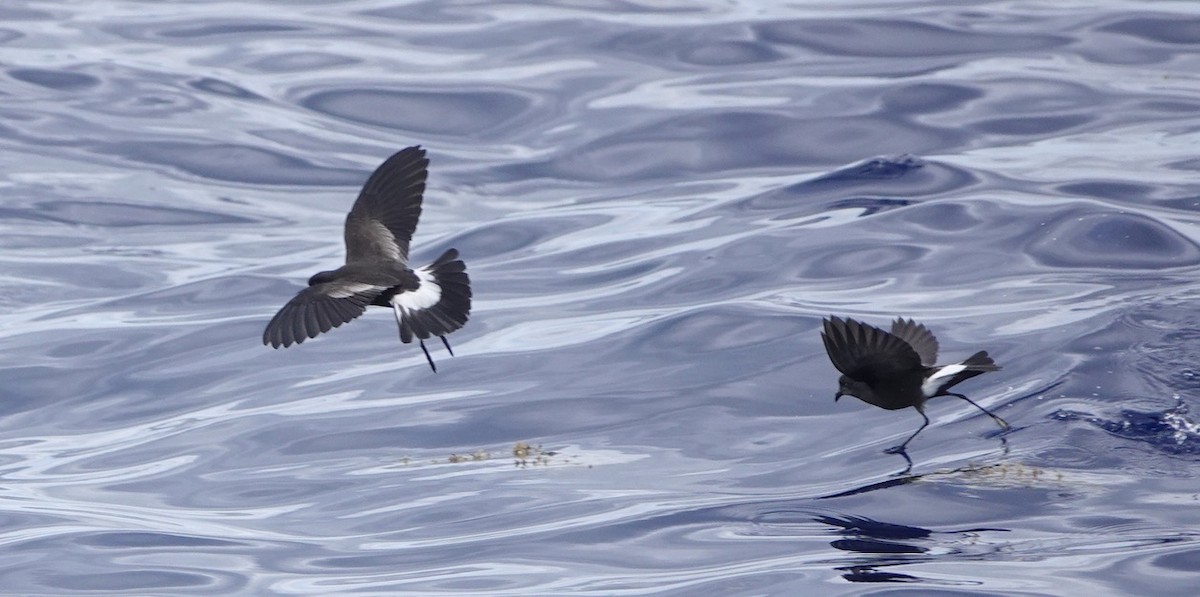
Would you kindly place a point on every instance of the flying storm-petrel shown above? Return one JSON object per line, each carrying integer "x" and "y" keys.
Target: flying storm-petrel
{"x": 896, "y": 370}
{"x": 433, "y": 300}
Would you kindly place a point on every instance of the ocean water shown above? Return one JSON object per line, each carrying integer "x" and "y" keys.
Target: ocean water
{"x": 657, "y": 202}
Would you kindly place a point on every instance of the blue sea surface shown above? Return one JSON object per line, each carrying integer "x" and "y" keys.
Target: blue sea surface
{"x": 657, "y": 203}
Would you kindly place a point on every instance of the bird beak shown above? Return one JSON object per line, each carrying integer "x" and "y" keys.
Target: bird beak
{"x": 837, "y": 395}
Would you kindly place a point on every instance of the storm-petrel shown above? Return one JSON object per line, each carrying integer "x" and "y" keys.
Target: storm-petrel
{"x": 433, "y": 300}
{"x": 896, "y": 369}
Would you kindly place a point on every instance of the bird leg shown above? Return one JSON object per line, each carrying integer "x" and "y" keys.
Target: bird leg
{"x": 447, "y": 343}
{"x": 427, "y": 357}
{"x": 900, "y": 449}
{"x": 1001, "y": 422}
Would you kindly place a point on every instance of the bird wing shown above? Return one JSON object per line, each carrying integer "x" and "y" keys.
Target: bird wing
{"x": 318, "y": 309}
{"x": 382, "y": 221}
{"x": 865, "y": 352}
{"x": 918, "y": 337}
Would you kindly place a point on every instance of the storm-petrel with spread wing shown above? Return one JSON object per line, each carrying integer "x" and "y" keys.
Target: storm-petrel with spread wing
{"x": 896, "y": 369}
{"x": 433, "y": 300}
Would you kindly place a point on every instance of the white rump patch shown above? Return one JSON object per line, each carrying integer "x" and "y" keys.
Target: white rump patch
{"x": 935, "y": 381}
{"x": 343, "y": 290}
{"x": 424, "y": 297}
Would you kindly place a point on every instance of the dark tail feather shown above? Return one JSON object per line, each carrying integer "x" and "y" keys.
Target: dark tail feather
{"x": 981, "y": 362}
{"x": 977, "y": 364}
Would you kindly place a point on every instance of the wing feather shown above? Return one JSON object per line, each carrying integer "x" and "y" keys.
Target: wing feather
{"x": 318, "y": 309}
{"x": 919, "y": 338}
{"x": 865, "y": 352}
{"x": 384, "y": 217}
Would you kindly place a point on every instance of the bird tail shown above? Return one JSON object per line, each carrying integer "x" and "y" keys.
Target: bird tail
{"x": 441, "y": 305}
{"x": 980, "y": 362}
{"x": 952, "y": 375}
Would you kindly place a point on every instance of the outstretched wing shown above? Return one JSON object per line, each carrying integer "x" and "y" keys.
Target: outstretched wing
{"x": 318, "y": 309}
{"x": 382, "y": 221}
{"x": 866, "y": 353}
{"x": 919, "y": 338}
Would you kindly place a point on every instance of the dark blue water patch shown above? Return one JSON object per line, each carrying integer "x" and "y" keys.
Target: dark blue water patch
{"x": 777, "y": 140}
{"x": 693, "y": 46}
{"x": 131, "y": 579}
{"x": 1187, "y": 561}
{"x": 22, "y": 13}
{"x": 100, "y": 212}
{"x": 927, "y": 98}
{"x": 26, "y": 388}
{"x": 1108, "y": 189}
{"x": 225, "y": 88}
{"x": 1186, "y": 165}
{"x": 1112, "y": 240}
{"x": 880, "y": 168}
{"x": 431, "y": 12}
{"x": 877, "y": 185}
{"x": 509, "y": 236}
{"x": 1171, "y": 431}
{"x": 234, "y": 163}
{"x": 714, "y": 329}
{"x": 135, "y": 539}
{"x": 136, "y": 96}
{"x": 267, "y": 491}
{"x": 1170, "y": 106}
{"x": 876, "y": 546}
{"x": 465, "y": 113}
{"x": 728, "y": 53}
{"x": 9, "y": 35}
{"x": 940, "y": 218}
{"x": 900, "y": 38}
{"x": 214, "y": 28}
{"x": 59, "y": 80}
{"x": 102, "y": 277}
{"x": 1175, "y": 29}
{"x": 189, "y": 298}
{"x": 871, "y": 205}
{"x": 306, "y": 439}
{"x": 710, "y": 280}
{"x": 1032, "y": 126}
{"x": 290, "y": 62}
{"x": 865, "y": 261}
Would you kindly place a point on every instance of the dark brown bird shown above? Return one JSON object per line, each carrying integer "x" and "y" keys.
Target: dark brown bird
{"x": 895, "y": 370}
{"x": 432, "y": 300}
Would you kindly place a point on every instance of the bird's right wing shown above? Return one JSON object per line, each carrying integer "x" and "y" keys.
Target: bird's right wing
{"x": 865, "y": 352}
{"x": 318, "y": 309}
{"x": 384, "y": 217}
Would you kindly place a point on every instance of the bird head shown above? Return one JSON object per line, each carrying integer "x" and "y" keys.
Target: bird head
{"x": 849, "y": 387}
{"x": 322, "y": 277}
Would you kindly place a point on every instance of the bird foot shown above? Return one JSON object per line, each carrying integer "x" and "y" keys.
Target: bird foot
{"x": 904, "y": 454}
